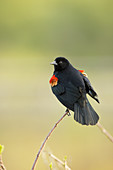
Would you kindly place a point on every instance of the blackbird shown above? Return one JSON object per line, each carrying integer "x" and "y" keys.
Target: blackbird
{"x": 70, "y": 86}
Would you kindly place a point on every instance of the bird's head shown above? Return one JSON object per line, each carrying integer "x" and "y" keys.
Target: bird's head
{"x": 60, "y": 63}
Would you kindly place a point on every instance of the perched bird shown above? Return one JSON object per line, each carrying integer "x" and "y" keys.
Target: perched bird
{"x": 70, "y": 86}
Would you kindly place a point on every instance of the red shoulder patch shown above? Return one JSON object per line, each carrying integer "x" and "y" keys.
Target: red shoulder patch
{"x": 82, "y": 71}
{"x": 53, "y": 81}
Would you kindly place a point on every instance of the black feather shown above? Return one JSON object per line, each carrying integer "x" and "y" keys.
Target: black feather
{"x": 89, "y": 88}
{"x": 85, "y": 115}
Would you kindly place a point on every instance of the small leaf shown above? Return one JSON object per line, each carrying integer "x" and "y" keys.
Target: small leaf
{"x": 65, "y": 158}
{"x": 1, "y": 148}
{"x": 50, "y": 166}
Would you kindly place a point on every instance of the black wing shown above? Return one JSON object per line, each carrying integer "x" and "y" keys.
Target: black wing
{"x": 58, "y": 90}
{"x": 89, "y": 88}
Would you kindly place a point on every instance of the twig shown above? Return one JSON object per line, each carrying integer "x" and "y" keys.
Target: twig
{"x": 105, "y": 132}
{"x": 43, "y": 144}
{"x": 66, "y": 167}
{"x": 59, "y": 161}
{"x": 2, "y": 167}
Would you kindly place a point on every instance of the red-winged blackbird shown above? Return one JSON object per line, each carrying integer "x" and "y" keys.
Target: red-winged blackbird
{"x": 70, "y": 87}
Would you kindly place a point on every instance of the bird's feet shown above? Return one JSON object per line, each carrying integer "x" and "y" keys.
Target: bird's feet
{"x": 67, "y": 110}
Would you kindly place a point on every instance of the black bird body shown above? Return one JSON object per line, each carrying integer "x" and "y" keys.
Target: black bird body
{"x": 67, "y": 89}
{"x": 71, "y": 89}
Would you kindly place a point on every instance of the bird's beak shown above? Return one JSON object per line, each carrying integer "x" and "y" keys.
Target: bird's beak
{"x": 54, "y": 63}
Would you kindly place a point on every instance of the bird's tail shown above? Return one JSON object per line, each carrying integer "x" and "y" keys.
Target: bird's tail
{"x": 85, "y": 115}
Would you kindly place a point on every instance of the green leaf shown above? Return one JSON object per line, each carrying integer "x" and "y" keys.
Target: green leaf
{"x": 65, "y": 158}
{"x": 51, "y": 166}
{"x": 1, "y": 148}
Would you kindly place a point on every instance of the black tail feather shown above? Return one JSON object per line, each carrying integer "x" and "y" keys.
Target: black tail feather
{"x": 85, "y": 115}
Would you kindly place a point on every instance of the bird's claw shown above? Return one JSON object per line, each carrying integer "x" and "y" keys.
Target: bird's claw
{"x": 69, "y": 114}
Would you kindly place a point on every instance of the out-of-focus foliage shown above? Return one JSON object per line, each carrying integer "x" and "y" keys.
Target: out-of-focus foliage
{"x": 1, "y": 148}
{"x": 67, "y": 27}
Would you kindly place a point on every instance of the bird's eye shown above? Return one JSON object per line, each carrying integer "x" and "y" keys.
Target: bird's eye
{"x": 60, "y": 62}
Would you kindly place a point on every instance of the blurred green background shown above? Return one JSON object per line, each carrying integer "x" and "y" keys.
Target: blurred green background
{"x": 32, "y": 34}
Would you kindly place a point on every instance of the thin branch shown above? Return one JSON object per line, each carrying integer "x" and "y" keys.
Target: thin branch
{"x": 2, "y": 167}
{"x": 59, "y": 161}
{"x": 43, "y": 144}
{"x": 105, "y": 132}
{"x": 66, "y": 167}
